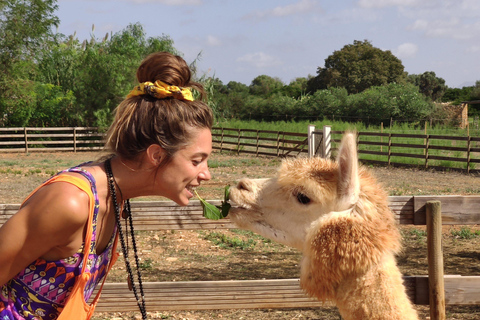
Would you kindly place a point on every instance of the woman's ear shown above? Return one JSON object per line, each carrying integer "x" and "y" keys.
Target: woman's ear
{"x": 155, "y": 154}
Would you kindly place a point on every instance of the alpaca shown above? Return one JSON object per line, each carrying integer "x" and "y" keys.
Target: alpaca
{"x": 336, "y": 214}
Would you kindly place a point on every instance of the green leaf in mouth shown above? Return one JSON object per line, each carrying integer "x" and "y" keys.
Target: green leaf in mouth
{"x": 214, "y": 212}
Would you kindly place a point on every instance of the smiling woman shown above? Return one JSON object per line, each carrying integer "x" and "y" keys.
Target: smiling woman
{"x": 61, "y": 243}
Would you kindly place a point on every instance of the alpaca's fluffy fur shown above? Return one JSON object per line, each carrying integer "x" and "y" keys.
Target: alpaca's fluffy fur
{"x": 338, "y": 216}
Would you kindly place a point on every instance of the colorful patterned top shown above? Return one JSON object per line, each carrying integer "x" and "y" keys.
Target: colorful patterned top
{"x": 41, "y": 289}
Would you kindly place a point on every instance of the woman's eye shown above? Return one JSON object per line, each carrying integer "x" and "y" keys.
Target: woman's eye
{"x": 303, "y": 199}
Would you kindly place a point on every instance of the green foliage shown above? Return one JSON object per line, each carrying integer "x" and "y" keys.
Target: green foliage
{"x": 25, "y": 26}
{"x": 397, "y": 101}
{"x": 54, "y": 108}
{"x": 264, "y": 85}
{"x": 457, "y": 95}
{"x": 327, "y": 104}
{"x": 71, "y": 83}
{"x": 295, "y": 89}
{"x": 429, "y": 85}
{"x": 475, "y": 94}
{"x": 357, "y": 67}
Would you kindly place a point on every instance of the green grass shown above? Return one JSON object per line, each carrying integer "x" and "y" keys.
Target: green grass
{"x": 465, "y": 233}
{"x": 228, "y": 242}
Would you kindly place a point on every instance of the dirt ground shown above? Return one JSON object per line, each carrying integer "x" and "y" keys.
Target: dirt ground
{"x": 235, "y": 254}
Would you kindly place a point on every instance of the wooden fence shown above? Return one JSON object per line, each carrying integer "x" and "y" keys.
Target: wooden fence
{"x": 70, "y": 139}
{"x": 73, "y": 139}
{"x": 279, "y": 293}
{"x": 397, "y": 149}
{"x": 260, "y": 142}
{"x": 460, "y": 153}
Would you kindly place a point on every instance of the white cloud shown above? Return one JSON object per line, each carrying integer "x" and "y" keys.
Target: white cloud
{"x": 473, "y": 49}
{"x": 388, "y": 3}
{"x": 406, "y": 50}
{"x": 447, "y": 28}
{"x": 213, "y": 41}
{"x": 260, "y": 60}
{"x": 300, "y": 7}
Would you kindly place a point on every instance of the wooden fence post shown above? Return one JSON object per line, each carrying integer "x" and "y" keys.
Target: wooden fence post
{"x": 311, "y": 141}
{"x": 221, "y": 141}
{"x": 469, "y": 143}
{"x": 75, "y": 139}
{"x": 256, "y": 150}
{"x": 278, "y": 143}
{"x": 436, "y": 287}
{"x": 427, "y": 145}
{"x": 26, "y": 139}
{"x": 389, "y": 148}
{"x": 238, "y": 142}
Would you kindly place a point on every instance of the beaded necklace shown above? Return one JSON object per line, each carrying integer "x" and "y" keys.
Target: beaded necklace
{"x": 127, "y": 215}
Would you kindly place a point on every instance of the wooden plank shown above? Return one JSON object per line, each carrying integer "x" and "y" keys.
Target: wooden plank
{"x": 462, "y": 290}
{"x": 457, "y": 159}
{"x": 459, "y": 290}
{"x": 252, "y": 294}
{"x": 167, "y": 215}
{"x": 154, "y": 215}
{"x": 462, "y": 210}
{"x": 204, "y": 295}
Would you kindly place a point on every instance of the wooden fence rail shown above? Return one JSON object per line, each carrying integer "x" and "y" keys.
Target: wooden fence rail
{"x": 273, "y": 293}
{"x": 260, "y": 142}
{"x": 460, "y": 153}
{"x": 419, "y": 150}
{"x": 70, "y": 139}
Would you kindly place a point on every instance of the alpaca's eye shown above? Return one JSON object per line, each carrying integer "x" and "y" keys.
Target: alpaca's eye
{"x": 303, "y": 199}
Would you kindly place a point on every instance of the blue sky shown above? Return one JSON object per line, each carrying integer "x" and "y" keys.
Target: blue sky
{"x": 242, "y": 39}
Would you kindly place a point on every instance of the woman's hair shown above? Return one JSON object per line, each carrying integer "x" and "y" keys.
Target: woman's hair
{"x": 143, "y": 120}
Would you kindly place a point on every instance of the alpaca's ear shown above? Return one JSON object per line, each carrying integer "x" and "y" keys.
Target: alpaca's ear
{"x": 348, "y": 180}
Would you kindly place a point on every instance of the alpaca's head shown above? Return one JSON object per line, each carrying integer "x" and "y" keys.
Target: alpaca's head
{"x": 305, "y": 191}
{"x": 283, "y": 208}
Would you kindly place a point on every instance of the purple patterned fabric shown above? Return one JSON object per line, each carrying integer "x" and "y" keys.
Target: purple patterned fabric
{"x": 41, "y": 289}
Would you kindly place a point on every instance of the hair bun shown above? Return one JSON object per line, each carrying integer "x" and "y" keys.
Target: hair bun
{"x": 165, "y": 67}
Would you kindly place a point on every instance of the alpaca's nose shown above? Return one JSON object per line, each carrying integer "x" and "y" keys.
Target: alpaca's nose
{"x": 245, "y": 184}
{"x": 251, "y": 185}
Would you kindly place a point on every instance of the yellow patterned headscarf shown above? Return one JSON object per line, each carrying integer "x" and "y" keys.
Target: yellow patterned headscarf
{"x": 161, "y": 90}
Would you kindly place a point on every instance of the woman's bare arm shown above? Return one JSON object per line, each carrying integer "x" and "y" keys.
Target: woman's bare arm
{"x": 49, "y": 225}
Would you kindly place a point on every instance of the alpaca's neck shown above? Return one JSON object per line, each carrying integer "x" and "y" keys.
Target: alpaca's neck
{"x": 377, "y": 294}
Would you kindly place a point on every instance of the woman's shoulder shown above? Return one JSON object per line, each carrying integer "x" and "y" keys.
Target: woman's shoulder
{"x": 61, "y": 201}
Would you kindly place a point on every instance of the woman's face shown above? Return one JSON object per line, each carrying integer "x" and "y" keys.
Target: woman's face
{"x": 187, "y": 169}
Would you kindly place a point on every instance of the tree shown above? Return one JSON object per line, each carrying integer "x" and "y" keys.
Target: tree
{"x": 296, "y": 88}
{"x": 99, "y": 72}
{"x": 475, "y": 94}
{"x": 457, "y": 95}
{"x": 356, "y": 67}
{"x": 264, "y": 85}
{"x": 429, "y": 85}
{"x": 234, "y": 86}
{"x": 25, "y": 28}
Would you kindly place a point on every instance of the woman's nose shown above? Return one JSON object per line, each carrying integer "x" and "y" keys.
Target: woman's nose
{"x": 205, "y": 174}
